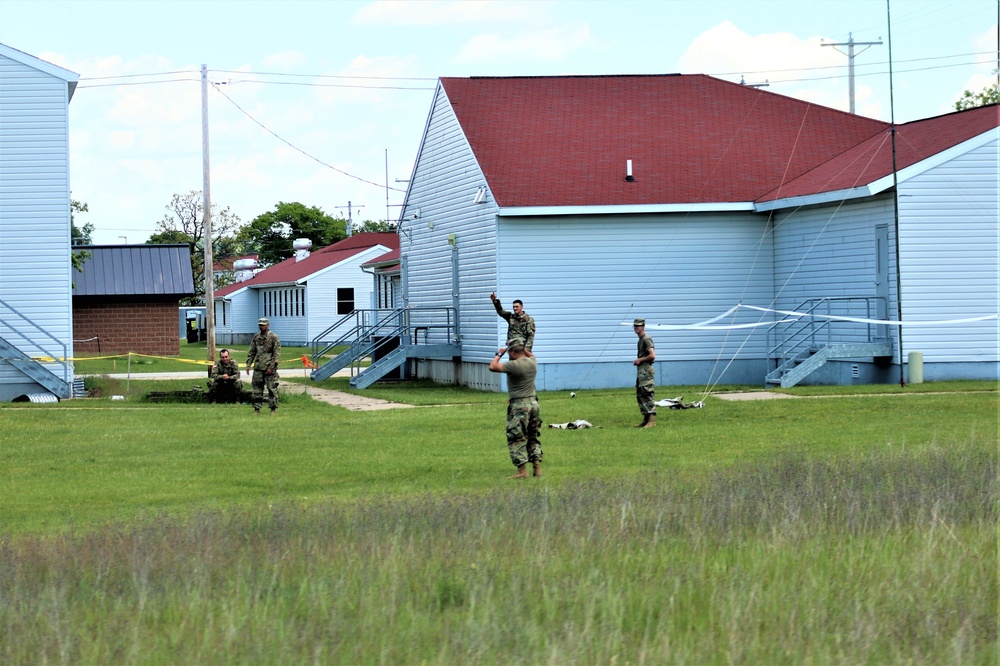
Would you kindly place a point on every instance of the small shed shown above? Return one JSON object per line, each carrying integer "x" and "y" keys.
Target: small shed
{"x": 126, "y": 298}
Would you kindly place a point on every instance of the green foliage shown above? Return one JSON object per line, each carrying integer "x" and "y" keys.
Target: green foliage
{"x": 375, "y": 226}
{"x": 79, "y": 235}
{"x": 271, "y": 234}
{"x": 858, "y": 529}
{"x": 82, "y": 235}
{"x": 185, "y": 223}
{"x": 970, "y": 100}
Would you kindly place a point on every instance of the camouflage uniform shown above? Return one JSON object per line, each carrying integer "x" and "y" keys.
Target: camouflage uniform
{"x": 264, "y": 354}
{"x": 644, "y": 378}
{"x": 519, "y": 326}
{"x": 524, "y": 421}
{"x": 218, "y": 387}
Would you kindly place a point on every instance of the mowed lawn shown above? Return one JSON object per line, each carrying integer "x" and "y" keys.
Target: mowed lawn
{"x": 856, "y": 528}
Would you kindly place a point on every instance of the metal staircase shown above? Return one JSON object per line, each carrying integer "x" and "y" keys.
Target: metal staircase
{"x": 801, "y": 346}
{"x": 36, "y": 353}
{"x": 385, "y": 339}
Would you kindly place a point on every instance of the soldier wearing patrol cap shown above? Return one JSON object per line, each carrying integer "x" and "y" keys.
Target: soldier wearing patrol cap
{"x": 645, "y": 385}
{"x": 524, "y": 421}
{"x": 263, "y": 357}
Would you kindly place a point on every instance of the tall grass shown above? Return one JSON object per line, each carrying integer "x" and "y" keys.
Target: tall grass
{"x": 887, "y": 557}
{"x": 839, "y": 530}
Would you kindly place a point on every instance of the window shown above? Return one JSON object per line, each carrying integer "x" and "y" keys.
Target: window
{"x": 345, "y": 300}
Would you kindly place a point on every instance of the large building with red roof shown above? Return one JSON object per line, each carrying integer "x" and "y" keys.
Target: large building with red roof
{"x": 598, "y": 199}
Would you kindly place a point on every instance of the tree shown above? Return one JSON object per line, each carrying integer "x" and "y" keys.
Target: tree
{"x": 271, "y": 234}
{"x": 184, "y": 223}
{"x": 79, "y": 235}
{"x": 970, "y": 100}
{"x": 375, "y": 226}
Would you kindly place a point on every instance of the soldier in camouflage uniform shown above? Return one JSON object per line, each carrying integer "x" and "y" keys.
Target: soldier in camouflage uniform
{"x": 644, "y": 375}
{"x": 224, "y": 381}
{"x": 520, "y": 325}
{"x": 524, "y": 422}
{"x": 264, "y": 354}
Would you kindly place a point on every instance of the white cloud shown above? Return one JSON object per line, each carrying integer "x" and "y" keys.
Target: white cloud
{"x": 284, "y": 60}
{"x": 367, "y": 80}
{"x": 555, "y": 43}
{"x": 443, "y": 12}
{"x": 793, "y": 66}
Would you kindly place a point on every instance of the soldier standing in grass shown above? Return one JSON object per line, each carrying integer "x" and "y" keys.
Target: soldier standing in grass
{"x": 645, "y": 385}
{"x": 224, "y": 381}
{"x": 520, "y": 325}
{"x": 524, "y": 421}
{"x": 263, "y": 357}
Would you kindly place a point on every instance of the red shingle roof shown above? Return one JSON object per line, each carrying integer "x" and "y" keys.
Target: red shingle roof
{"x": 290, "y": 270}
{"x": 564, "y": 141}
{"x": 872, "y": 159}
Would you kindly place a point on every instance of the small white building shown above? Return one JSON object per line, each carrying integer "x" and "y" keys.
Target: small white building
{"x": 304, "y": 295}
{"x": 36, "y": 281}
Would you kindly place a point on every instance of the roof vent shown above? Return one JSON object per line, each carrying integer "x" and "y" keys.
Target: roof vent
{"x": 628, "y": 171}
{"x": 302, "y": 247}
{"x": 245, "y": 269}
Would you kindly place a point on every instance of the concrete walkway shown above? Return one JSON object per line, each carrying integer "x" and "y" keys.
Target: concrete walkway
{"x": 752, "y": 395}
{"x": 355, "y": 403}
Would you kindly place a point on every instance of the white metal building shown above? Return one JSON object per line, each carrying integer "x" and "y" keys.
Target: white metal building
{"x": 595, "y": 200}
{"x": 36, "y": 321}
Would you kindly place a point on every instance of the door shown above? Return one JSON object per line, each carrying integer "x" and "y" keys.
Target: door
{"x": 882, "y": 278}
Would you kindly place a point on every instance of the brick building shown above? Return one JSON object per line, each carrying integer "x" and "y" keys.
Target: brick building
{"x": 126, "y": 298}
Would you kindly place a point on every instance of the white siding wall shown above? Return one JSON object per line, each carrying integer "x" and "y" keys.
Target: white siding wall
{"x": 443, "y": 186}
{"x": 34, "y": 204}
{"x": 949, "y": 219}
{"x": 583, "y": 277}
{"x": 321, "y": 300}
{"x": 830, "y": 251}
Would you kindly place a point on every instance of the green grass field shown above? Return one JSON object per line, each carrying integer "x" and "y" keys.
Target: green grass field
{"x": 193, "y": 357}
{"x": 860, "y": 528}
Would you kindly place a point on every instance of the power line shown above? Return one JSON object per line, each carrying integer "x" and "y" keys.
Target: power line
{"x": 84, "y": 81}
{"x": 329, "y": 76}
{"x": 296, "y": 148}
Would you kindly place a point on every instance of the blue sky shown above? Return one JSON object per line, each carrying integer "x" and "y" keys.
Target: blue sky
{"x": 350, "y": 83}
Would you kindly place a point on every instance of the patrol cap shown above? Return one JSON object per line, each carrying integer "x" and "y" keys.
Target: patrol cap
{"x": 515, "y": 344}
{"x": 638, "y": 321}
{"x": 263, "y": 320}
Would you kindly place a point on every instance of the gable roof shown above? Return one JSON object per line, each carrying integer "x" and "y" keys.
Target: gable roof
{"x": 290, "y": 270}
{"x": 871, "y": 160}
{"x": 564, "y": 141}
{"x": 692, "y": 139}
{"x": 388, "y": 263}
{"x": 71, "y": 78}
{"x": 135, "y": 270}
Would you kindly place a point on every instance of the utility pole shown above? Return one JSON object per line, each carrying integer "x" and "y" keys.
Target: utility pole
{"x": 207, "y": 206}
{"x": 850, "y": 44}
{"x": 349, "y": 224}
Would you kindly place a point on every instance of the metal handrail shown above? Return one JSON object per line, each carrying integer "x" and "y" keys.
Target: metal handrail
{"x": 786, "y": 340}
{"x": 61, "y": 360}
{"x": 387, "y": 323}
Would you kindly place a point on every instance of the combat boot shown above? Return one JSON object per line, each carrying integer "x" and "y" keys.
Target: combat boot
{"x": 538, "y": 467}
{"x": 650, "y": 421}
{"x": 522, "y": 473}
{"x": 645, "y": 420}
